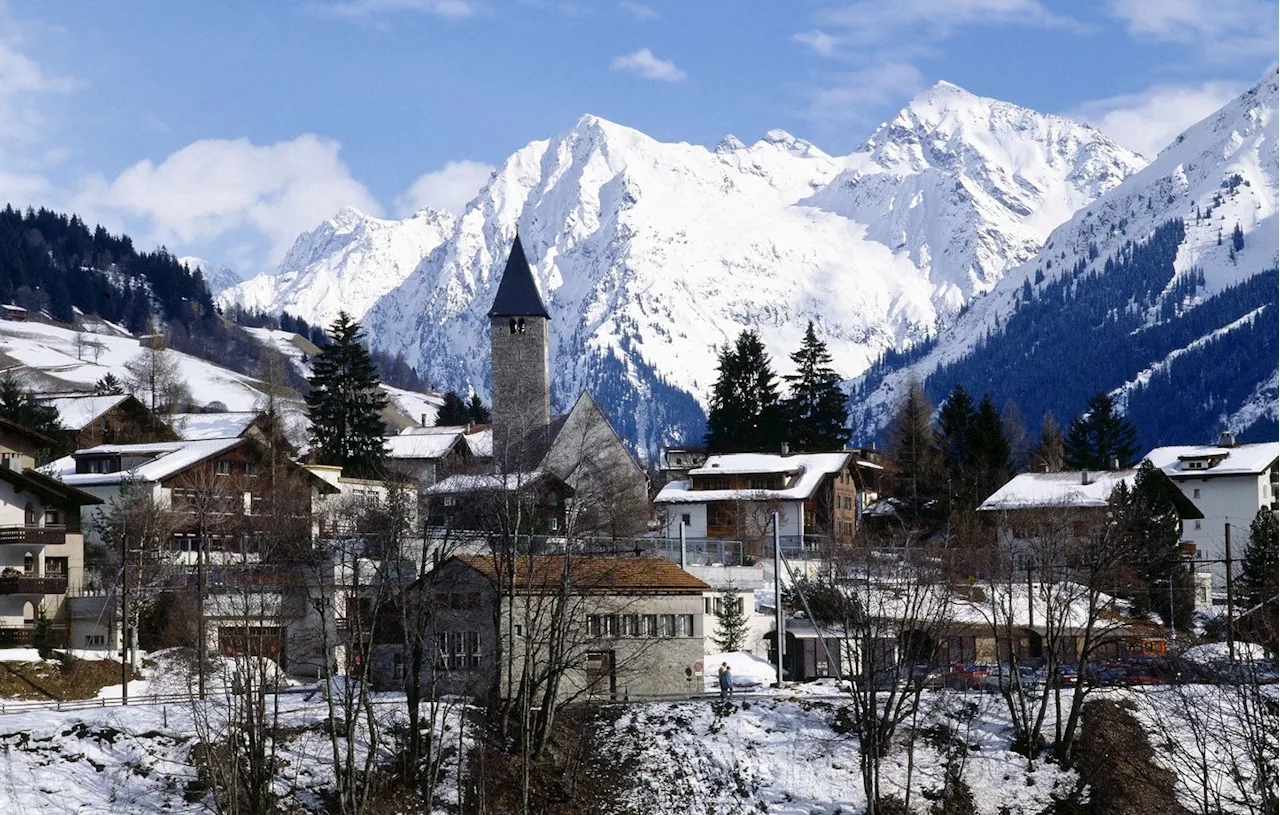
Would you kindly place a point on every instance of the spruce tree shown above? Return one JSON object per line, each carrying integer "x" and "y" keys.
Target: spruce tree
{"x": 955, "y": 430}
{"x": 1161, "y": 575}
{"x": 991, "y": 451}
{"x": 745, "y": 415}
{"x": 108, "y": 385}
{"x": 453, "y": 412}
{"x": 731, "y": 622}
{"x": 1100, "y": 435}
{"x": 477, "y": 413}
{"x": 344, "y": 403}
{"x": 1261, "y": 565}
{"x": 816, "y": 412}
{"x": 1048, "y": 456}
{"x": 913, "y": 451}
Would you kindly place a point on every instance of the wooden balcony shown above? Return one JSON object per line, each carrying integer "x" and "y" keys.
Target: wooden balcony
{"x": 29, "y": 584}
{"x": 33, "y": 535}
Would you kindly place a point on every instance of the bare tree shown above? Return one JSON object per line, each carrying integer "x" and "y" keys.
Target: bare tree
{"x": 155, "y": 377}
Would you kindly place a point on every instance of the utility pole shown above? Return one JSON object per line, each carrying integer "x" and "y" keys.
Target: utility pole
{"x": 1173, "y": 624}
{"x": 202, "y": 635}
{"x": 124, "y": 617}
{"x": 779, "y": 621}
{"x": 682, "y": 549}
{"x": 1231, "y": 598}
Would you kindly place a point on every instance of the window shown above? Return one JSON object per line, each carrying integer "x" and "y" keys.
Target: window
{"x": 686, "y": 625}
{"x": 1197, "y": 524}
{"x": 602, "y": 625}
{"x": 51, "y": 517}
{"x": 94, "y": 640}
{"x": 707, "y": 605}
{"x": 651, "y": 625}
{"x": 631, "y": 625}
{"x": 251, "y": 469}
{"x": 222, "y": 467}
{"x": 1195, "y": 493}
{"x": 685, "y": 520}
{"x": 473, "y": 649}
{"x": 668, "y": 625}
{"x": 55, "y": 566}
{"x": 554, "y": 523}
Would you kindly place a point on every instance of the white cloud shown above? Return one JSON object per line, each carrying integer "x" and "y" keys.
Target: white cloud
{"x": 370, "y": 8}
{"x": 1223, "y": 29}
{"x": 1149, "y": 120}
{"x": 22, "y": 83}
{"x": 450, "y": 188}
{"x": 644, "y": 63}
{"x": 822, "y": 43}
{"x": 850, "y": 96}
{"x": 872, "y": 22}
{"x": 220, "y": 190}
{"x": 639, "y": 11}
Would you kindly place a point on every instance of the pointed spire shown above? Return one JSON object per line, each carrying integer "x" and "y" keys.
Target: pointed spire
{"x": 517, "y": 292}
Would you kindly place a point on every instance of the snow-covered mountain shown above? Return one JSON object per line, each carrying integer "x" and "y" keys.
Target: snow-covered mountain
{"x": 1219, "y": 173}
{"x": 347, "y": 262}
{"x": 652, "y": 255}
{"x": 218, "y": 278}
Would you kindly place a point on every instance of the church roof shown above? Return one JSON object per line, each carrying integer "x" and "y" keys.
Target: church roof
{"x": 517, "y": 292}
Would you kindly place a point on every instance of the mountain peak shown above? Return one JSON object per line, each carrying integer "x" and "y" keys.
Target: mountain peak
{"x": 792, "y": 144}
{"x": 347, "y": 218}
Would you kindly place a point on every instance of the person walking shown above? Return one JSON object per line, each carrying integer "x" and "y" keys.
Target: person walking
{"x": 726, "y": 680}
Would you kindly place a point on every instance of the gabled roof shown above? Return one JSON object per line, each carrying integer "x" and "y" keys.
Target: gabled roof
{"x": 488, "y": 482}
{"x": 40, "y": 439}
{"x": 422, "y": 446}
{"x": 1070, "y": 490}
{"x": 517, "y": 292}
{"x": 50, "y": 490}
{"x": 163, "y": 460}
{"x": 204, "y": 426}
{"x": 1242, "y": 459}
{"x": 804, "y": 472}
{"x": 76, "y": 412}
{"x": 596, "y": 574}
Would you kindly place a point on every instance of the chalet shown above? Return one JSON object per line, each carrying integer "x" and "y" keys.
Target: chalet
{"x": 232, "y": 425}
{"x": 1228, "y": 483}
{"x": 631, "y": 626}
{"x": 816, "y": 495}
{"x": 487, "y": 502}
{"x": 9, "y": 311}
{"x": 674, "y": 463}
{"x": 429, "y": 454}
{"x": 88, "y": 421}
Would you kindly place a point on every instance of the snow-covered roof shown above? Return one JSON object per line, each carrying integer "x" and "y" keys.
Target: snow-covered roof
{"x": 433, "y": 430}
{"x": 488, "y": 482}
{"x": 1074, "y": 489}
{"x": 1243, "y": 459}
{"x": 76, "y": 412}
{"x": 806, "y": 472}
{"x": 434, "y": 445}
{"x": 480, "y": 443}
{"x": 163, "y": 459}
{"x": 205, "y": 426}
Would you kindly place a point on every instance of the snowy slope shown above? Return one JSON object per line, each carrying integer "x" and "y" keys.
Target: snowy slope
{"x": 347, "y": 262}
{"x": 652, "y": 255}
{"x": 1222, "y": 169}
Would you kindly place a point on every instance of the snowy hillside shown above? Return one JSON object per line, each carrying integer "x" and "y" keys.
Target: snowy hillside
{"x": 347, "y": 262}
{"x": 1219, "y": 173}
{"x": 651, "y": 255}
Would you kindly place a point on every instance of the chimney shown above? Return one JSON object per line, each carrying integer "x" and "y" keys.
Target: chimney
{"x": 1084, "y": 478}
{"x": 424, "y": 420}
{"x": 786, "y": 449}
{"x": 1227, "y": 440}
{"x": 1115, "y": 463}
{"x": 470, "y": 426}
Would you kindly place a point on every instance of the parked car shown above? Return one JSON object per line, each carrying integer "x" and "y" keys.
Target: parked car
{"x": 1002, "y": 677}
{"x": 963, "y": 677}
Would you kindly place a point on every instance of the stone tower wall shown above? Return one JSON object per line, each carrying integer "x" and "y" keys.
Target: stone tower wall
{"x": 521, "y": 378}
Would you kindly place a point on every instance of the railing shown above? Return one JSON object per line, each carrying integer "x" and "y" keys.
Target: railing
{"x": 34, "y": 535}
{"x": 17, "y": 636}
{"x": 33, "y": 585}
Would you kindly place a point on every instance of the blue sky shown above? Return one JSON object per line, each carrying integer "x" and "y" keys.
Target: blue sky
{"x": 224, "y": 129}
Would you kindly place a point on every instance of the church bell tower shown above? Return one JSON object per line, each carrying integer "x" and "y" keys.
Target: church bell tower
{"x": 518, "y": 345}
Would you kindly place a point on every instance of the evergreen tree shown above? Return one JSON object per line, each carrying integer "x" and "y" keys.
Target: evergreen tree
{"x": 1261, "y": 564}
{"x": 19, "y": 406}
{"x": 108, "y": 385}
{"x": 955, "y": 426}
{"x": 991, "y": 451}
{"x": 731, "y": 621}
{"x": 1237, "y": 238}
{"x": 344, "y": 403}
{"x": 477, "y": 413}
{"x": 745, "y": 415}
{"x": 1100, "y": 435}
{"x": 453, "y": 412}
{"x": 1160, "y": 574}
{"x": 1015, "y": 430}
{"x": 913, "y": 450}
{"x": 816, "y": 412}
{"x": 1048, "y": 456}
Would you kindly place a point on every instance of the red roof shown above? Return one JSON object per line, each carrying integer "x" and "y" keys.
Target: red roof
{"x": 590, "y": 573}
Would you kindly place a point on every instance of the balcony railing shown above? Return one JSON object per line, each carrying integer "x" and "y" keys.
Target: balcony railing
{"x": 17, "y": 636}
{"x": 30, "y": 584}
{"x": 34, "y": 535}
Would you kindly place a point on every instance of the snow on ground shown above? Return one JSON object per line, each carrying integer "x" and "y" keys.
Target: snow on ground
{"x": 786, "y": 755}
{"x": 1212, "y": 652}
{"x": 749, "y": 671}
